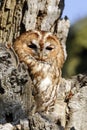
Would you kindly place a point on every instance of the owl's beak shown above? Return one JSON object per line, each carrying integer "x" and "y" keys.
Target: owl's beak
{"x": 40, "y": 55}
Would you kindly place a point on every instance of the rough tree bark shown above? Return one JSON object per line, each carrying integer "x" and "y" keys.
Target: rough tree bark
{"x": 16, "y": 100}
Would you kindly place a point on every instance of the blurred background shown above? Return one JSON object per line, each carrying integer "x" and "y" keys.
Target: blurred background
{"x": 76, "y": 62}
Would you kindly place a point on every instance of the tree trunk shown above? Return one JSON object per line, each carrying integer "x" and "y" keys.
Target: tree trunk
{"x": 16, "y": 99}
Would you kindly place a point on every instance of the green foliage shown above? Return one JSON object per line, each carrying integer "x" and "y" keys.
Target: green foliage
{"x": 77, "y": 49}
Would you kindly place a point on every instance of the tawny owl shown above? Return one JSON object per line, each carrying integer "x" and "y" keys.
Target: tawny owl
{"x": 44, "y": 55}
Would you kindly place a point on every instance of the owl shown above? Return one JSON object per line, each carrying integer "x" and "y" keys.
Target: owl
{"x": 44, "y": 56}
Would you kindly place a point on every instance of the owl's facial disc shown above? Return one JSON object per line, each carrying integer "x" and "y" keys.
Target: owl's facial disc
{"x": 40, "y": 52}
{"x": 39, "y": 46}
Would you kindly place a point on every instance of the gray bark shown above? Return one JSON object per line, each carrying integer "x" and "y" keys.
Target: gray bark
{"x": 16, "y": 99}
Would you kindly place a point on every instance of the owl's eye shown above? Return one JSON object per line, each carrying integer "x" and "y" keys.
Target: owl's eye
{"x": 33, "y": 46}
{"x": 49, "y": 48}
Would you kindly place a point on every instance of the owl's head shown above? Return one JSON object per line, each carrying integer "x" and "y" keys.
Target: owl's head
{"x": 39, "y": 46}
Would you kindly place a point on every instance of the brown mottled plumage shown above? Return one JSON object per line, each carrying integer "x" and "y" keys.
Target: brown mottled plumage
{"x": 44, "y": 55}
